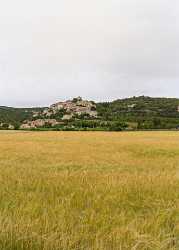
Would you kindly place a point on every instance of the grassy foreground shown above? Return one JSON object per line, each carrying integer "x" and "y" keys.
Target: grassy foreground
{"x": 89, "y": 190}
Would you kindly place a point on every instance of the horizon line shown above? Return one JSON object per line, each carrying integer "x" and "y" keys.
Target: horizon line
{"x": 101, "y": 101}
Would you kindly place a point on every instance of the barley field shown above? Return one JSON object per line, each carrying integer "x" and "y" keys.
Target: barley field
{"x": 89, "y": 190}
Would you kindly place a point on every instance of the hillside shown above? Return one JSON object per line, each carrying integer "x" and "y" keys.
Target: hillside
{"x": 136, "y": 112}
{"x": 16, "y": 116}
{"x": 140, "y": 107}
{"x": 147, "y": 112}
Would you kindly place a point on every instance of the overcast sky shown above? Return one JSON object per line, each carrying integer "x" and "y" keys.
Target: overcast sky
{"x": 53, "y": 50}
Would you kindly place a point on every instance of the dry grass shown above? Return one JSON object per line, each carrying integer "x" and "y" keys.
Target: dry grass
{"x": 90, "y": 191}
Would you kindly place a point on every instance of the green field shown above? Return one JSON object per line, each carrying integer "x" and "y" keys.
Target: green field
{"x": 89, "y": 190}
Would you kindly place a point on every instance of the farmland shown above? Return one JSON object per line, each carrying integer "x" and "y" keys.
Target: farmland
{"x": 89, "y": 190}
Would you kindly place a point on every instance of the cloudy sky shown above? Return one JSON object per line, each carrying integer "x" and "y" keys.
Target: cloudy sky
{"x": 53, "y": 50}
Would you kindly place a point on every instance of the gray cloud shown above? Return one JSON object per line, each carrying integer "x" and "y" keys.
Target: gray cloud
{"x": 100, "y": 49}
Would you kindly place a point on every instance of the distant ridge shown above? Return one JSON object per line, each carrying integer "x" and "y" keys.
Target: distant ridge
{"x": 144, "y": 111}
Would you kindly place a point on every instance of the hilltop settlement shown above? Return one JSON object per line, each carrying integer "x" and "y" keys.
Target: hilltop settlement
{"x": 62, "y": 112}
{"x": 78, "y": 114}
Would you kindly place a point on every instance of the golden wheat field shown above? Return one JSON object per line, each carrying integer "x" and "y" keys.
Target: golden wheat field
{"x": 89, "y": 190}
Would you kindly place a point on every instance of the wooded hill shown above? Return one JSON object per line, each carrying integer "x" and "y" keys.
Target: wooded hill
{"x": 140, "y": 106}
{"x": 136, "y": 112}
{"x": 16, "y": 116}
{"x": 147, "y": 112}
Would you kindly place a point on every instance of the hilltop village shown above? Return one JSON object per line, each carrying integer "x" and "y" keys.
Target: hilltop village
{"x": 61, "y": 112}
{"x": 71, "y": 108}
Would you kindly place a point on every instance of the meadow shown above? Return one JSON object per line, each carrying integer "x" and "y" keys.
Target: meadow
{"x": 89, "y": 190}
